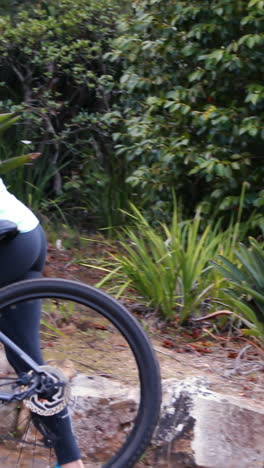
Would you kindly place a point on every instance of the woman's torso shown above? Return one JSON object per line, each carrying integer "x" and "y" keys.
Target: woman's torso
{"x": 13, "y": 210}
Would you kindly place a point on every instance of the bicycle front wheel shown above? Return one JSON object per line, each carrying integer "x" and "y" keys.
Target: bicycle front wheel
{"x": 114, "y": 372}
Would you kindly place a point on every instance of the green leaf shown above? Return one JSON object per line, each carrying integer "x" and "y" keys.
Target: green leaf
{"x": 18, "y": 161}
{"x": 7, "y": 120}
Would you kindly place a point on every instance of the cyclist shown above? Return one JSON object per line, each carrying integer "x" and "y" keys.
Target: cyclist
{"x": 23, "y": 258}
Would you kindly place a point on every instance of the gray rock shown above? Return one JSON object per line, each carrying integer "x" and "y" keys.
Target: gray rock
{"x": 197, "y": 427}
{"x": 200, "y": 428}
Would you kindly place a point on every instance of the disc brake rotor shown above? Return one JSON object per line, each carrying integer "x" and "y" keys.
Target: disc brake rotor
{"x": 47, "y": 406}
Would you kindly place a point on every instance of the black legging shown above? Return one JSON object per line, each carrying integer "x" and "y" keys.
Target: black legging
{"x": 20, "y": 259}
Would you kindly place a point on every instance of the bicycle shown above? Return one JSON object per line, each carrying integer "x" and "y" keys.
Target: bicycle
{"x": 103, "y": 323}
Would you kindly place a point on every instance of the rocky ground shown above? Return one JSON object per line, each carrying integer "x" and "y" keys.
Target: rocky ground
{"x": 232, "y": 365}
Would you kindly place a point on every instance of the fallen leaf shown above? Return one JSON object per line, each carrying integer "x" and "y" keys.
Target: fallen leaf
{"x": 99, "y": 326}
{"x": 168, "y": 344}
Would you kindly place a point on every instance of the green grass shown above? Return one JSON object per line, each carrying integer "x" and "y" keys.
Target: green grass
{"x": 168, "y": 267}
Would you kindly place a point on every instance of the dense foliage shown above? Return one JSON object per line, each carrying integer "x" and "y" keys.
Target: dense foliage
{"x": 193, "y": 88}
{"x": 53, "y": 71}
{"x": 129, "y": 101}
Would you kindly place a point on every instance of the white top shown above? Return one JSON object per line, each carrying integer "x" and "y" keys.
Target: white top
{"x": 12, "y": 209}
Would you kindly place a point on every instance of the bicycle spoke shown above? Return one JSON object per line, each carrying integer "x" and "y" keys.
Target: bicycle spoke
{"x": 23, "y": 447}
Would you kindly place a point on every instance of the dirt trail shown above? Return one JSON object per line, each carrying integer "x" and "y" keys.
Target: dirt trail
{"x": 230, "y": 365}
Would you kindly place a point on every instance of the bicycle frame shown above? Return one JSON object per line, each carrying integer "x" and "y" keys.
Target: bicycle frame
{"x": 7, "y": 342}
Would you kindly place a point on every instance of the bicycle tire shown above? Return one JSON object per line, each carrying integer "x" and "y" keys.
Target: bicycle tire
{"x": 148, "y": 368}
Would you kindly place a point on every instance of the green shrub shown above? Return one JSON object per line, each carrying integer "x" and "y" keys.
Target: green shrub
{"x": 52, "y": 70}
{"x": 193, "y": 99}
{"x": 127, "y": 100}
{"x": 168, "y": 267}
{"x": 246, "y": 291}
